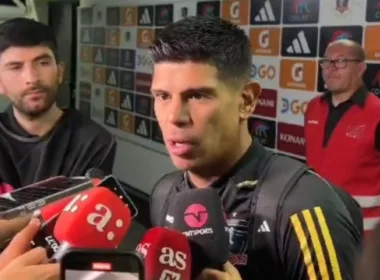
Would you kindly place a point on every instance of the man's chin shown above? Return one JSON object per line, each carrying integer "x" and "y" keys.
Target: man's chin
{"x": 182, "y": 163}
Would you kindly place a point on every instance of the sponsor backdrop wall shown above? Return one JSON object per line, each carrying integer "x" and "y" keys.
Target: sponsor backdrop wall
{"x": 287, "y": 38}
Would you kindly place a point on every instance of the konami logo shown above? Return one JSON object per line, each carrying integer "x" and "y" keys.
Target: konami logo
{"x": 290, "y": 139}
{"x": 267, "y": 103}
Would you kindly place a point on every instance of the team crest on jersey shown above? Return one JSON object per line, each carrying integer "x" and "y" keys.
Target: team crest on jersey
{"x": 238, "y": 231}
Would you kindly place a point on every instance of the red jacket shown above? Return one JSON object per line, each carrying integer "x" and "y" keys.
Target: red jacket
{"x": 350, "y": 159}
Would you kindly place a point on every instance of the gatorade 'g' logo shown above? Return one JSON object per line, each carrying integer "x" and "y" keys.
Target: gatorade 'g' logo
{"x": 196, "y": 216}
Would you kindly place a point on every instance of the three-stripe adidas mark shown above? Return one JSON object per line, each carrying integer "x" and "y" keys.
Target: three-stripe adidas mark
{"x": 265, "y": 14}
{"x": 264, "y": 227}
{"x": 299, "y": 44}
{"x": 145, "y": 18}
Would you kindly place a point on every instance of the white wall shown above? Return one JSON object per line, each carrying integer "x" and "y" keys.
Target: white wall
{"x": 135, "y": 164}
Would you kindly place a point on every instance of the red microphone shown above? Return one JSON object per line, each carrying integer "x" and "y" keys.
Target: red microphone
{"x": 167, "y": 254}
{"x": 96, "y": 218}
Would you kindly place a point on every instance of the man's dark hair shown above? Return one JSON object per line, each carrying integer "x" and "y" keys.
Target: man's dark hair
{"x": 23, "y": 32}
{"x": 210, "y": 40}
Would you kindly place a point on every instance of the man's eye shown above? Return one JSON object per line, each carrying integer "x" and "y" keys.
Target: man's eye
{"x": 198, "y": 96}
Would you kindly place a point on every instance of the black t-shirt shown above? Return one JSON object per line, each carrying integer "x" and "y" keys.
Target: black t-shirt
{"x": 315, "y": 233}
{"x": 73, "y": 146}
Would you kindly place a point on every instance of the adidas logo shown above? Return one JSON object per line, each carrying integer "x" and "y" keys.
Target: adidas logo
{"x": 145, "y": 17}
{"x": 264, "y": 227}
{"x": 112, "y": 79}
{"x": 299, "y": 44}
{"x": 111, "y": 120}
{"x": 142, "y": 130}
{"x": 127, "y": 104}
{"x": 265, "y": 14}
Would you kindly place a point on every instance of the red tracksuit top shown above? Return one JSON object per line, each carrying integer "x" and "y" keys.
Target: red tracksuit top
{"x": 350, "y": 159}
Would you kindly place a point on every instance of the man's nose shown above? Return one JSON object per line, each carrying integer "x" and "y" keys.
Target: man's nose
{"x": 179, "y": 112}
{"x": 30, "y": 75}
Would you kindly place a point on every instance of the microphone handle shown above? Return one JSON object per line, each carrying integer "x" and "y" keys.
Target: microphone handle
{"x": 45, "y": 236}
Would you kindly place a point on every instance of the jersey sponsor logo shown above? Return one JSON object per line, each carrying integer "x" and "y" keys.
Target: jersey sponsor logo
{"x": 314, "y": 237}
{"x": 238, "y": 232}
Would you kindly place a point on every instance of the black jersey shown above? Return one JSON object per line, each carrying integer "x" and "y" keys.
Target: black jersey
{"x": 318, "y": 229}
{"x": 73, "y": 146}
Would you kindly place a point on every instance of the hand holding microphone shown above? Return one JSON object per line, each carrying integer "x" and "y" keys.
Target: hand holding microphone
{"x": 17, "y": 262}
{"x": 167, "y": 254}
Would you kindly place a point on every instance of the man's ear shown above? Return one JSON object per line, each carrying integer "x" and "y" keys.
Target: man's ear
{"x": 250, "y": 95}
{"x": 61, "y": 71}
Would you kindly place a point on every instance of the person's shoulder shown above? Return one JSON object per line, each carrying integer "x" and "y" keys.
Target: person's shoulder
{"x": 312, "y": 190}
{"x": 87, "y": 127}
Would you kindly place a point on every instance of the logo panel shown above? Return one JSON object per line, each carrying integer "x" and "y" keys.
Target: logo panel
{"x": 265, "y": 12}
{"x": 208, "y": 8}
{"x": 267, "y": 103}
{"x": 112, "y": 97}
{"x": 265, "y": 41}
{"x": 299, "y": 42}
{"x": 372, "y": 78}
{"x": 373, "y": 11}
{"x": 99, "y": 56}
{"x": 145, "y": 15}
{"x": 290, "y": 139}
{"x": 142, "y": 127}
{"x": 266, "y": 71}
{"x": 184, "y": 9}
{"x": 86, "y": 16}
{"x": 86, "y": 35}
{"x": 145, "y": 37}
{"x": 112, "y": 77}
{"x": 99, "y": 34}
{"x": 143, "y": 82}
{"x": 112, "y": 57}
{"x": 85, "y": 90}
{"x": 144, "y": 62}
{"x": 128, "y": 38}
{"x": 111, "y": 117}
{"x": 143, "y": 105}
{"x": 127, "y": 59}
{"x": 298, "y": 74}
{"x": 371, "y": 43}
{"x": 164, "y": 15}
{"x": 301, "y": 11}
{"x": 86, "y": 72}
{"x": 127, "y": 122}
{"x": 86, "y": 54}
{"x": 292, "y": 105}
{"x": 129, "y": 16}
{"x": 127, "y": 80}
{"x": 99, "y": 75}
{"x": 127, "y": 101}
{"x": 113, "y": 16}
{"x": 196, "y": 216}
{"x": 342, "y": 12}
{"x": 113, "y": 37}
{"x": 330, "y": 34}
{"x": 236, "y": 11}
{"x": 264, "y": 130}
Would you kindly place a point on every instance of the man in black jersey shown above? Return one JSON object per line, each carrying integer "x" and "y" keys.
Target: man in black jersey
{"x": 38, "y": 140}
{"x": 203, "y": 98}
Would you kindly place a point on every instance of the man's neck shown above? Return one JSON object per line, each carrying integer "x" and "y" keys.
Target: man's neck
{"x": 338, "y": 98}
{"x": 205, "y": 180}
{"x": 41, "y": 125}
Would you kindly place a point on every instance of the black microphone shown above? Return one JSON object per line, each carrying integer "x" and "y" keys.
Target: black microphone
{"x": 199, "y": 214}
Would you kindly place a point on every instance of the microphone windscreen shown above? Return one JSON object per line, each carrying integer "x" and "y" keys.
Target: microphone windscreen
{"x": 198, "y": 213}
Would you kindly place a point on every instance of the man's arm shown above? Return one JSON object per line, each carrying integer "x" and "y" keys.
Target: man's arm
{"x": 317, "y": 238}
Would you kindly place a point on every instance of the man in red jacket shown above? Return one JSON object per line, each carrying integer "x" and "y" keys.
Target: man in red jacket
{"x": 342, "y": 129}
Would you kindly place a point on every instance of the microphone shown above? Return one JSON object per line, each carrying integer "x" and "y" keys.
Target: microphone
{"x": 198, "y": 214}
{"x": 96, "y": 218}
{"x": 167, "y": 254}
{"x": 48, "y": 217}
